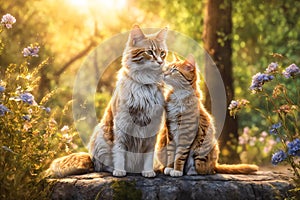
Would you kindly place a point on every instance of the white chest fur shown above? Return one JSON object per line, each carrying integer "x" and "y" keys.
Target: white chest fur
{"x": 140, "y": 109}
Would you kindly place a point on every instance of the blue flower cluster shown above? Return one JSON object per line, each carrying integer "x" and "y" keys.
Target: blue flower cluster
{"x": 3, "y": 110}
{"x": 28, "y": 98}
{"x": 273, "y": 67}
{"x": 26, "y": 117}
{"x": 2, "y": 89}
{"x": 274, "y": 128}
{"x": 291, "y": 71}
{"x": 293, "y": 150}
{"x": 258, "y": 80}
{"x": 294, "y": 147}
{"x": 278, "y": 157}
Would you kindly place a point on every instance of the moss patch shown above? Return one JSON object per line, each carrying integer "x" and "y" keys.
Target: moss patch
{"x": 119, "y": 190}
{"x": 125, "y": 190}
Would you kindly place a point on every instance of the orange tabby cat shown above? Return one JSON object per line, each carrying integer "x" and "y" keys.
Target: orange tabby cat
{"x": 188, "y": 144}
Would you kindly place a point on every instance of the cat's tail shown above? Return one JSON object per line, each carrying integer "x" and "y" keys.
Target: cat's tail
{"x": 236, "y": 169}
{"x": 73, "y": 164}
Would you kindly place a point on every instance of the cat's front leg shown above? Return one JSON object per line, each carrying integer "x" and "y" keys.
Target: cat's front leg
{"x": 119, "y": 165}
{"x": 182, "y": 152}
{"x": 170, "y": 157}
{"x": 148, "y": 165}
{"x": 119, "y": 160}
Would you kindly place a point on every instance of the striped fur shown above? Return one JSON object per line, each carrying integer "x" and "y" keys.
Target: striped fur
{"x": 124, "y": 140}
{"x": 73, "y": 164}
{"x": 188, "y": 145}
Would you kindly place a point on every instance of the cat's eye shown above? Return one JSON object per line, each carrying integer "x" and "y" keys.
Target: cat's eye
{"x": 162, "y": 54}
{"x": 150, "y": 52}
{"x": 173, "y": 69}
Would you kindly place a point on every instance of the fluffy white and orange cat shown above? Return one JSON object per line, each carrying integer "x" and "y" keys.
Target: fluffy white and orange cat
{"x": 125, "y": 138}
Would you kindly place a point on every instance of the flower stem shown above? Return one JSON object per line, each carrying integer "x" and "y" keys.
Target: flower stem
{"x": 294, "y": 166}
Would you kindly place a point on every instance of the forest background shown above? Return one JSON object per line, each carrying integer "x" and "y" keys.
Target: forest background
{"x": 242, "y": 37}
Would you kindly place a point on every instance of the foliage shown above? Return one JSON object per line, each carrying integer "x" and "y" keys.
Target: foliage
{"x": 29, "y": 135}
{"x": 180, "y": 15}
{"x": 261, "y": 28}
{"x": 62, "y": 30}
{"x": 279, "y": 92}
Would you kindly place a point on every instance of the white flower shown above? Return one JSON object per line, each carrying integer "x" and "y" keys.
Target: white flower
{"x": 65, "y": 129}
{"x": 8, "y": 20}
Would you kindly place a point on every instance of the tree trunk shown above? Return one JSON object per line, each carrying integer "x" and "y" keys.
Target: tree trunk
{"x": 217, "y": 42}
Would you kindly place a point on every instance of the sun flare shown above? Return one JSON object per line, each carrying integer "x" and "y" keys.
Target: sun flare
{"x": 104, "y": 4}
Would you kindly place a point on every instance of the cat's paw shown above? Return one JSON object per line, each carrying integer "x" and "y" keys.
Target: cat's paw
{"x": 119, "y": 173}
{"x": 148, "y": 174}
{"x": 176, "y": 173}
{"x": 167, "y": 170}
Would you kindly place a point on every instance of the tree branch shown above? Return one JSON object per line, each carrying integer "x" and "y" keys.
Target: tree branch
{"x": 76, "y": 57}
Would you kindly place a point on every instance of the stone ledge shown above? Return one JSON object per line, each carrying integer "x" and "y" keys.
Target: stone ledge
{"x": 261, "y": 185}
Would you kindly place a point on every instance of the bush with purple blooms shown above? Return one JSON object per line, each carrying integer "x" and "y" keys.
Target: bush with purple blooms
{"x": 278, "y": 89}
{"x": 29, "y": 134}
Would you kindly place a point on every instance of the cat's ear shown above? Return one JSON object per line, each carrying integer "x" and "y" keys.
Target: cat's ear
{"x": 191, "y": 63}
{"x": 136, "y": 34}
{"x": 162, "y": 34}
{"x": 175, "y": 57}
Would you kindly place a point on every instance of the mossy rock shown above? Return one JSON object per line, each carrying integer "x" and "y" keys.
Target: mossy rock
{"x": 261, "y": 185}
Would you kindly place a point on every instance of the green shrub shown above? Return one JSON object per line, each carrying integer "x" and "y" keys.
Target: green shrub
{"x": 29, "y": 135}
{"x": 279, "y": 92}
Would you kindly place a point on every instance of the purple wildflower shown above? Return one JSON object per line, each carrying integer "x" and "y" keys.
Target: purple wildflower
{"x": 294, "y": 147}
{"x": 278, "y": 157}
{"x": 28, "y": 98}
{"x": 31, "y": 51}
{"x": 233, "y": 104}
{"x": 273, "y": 67}
{"x": 236, "y": 105}
{"x": 26, "y": 117}
{"x": 48, "y": 110}
{"x": 258, "y": 80}
{"x": 274, "y": 128}
{"x": 2, "y": 89}
{"x": 8, "y": 20}
{"x": 3, "y": 110}
{"x": 291, "y": 71}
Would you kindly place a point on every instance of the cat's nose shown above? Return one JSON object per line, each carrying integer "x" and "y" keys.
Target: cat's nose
{"x": 160, "y": 62}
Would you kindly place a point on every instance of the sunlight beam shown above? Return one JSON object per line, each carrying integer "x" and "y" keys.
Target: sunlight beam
{"x": 101, "y": 4}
